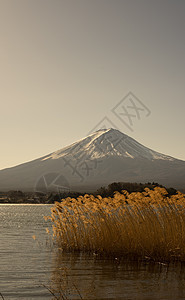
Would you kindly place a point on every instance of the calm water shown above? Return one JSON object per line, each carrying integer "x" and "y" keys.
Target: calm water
{"x": 26, "y": 264}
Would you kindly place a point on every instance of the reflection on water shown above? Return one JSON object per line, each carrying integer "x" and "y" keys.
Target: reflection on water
{"x": 110, "y": 279}
{"x": 26, "y": 264}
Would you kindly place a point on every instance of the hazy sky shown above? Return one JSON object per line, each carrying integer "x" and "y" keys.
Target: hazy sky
{"x": 64, "y": 65}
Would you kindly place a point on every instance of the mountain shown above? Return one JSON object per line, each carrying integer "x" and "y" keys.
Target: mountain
{"x": 101, "y": 158}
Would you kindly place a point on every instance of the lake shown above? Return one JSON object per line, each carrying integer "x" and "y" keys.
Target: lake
{"x": 30, "y": 266}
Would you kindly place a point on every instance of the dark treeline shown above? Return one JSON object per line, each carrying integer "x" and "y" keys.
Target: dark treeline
{"x": 131, "y": 187}
{"x": 62, "y": 195}
{"x": 50, "y": 197}
{"x": 20, "y": 197}
{"x": 113, "y": 187}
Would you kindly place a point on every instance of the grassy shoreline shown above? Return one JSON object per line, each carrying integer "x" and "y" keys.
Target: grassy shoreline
{"x": 139, "y": 226}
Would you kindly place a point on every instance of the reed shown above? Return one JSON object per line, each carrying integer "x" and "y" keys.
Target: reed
{"x": 2, "y": 296}
{"x": 147, "y": 225}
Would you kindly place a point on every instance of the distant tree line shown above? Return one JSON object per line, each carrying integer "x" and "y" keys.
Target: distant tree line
{"x": 62, "y": 195}
{"x": 130, "y": 187}
{"x": 113, "y": 187}
{"x": 17, "y": 196}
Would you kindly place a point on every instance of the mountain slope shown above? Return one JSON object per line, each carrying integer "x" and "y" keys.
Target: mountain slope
{"x": 105, "y": 156}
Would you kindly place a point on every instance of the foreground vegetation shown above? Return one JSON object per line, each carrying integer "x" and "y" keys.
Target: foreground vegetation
{"x": 140, "y": 225}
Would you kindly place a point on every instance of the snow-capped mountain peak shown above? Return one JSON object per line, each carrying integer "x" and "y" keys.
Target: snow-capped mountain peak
{"x": 107, "y": 142}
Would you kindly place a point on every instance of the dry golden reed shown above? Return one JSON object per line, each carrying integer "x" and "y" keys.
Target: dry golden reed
{"x": 147, "y": 225}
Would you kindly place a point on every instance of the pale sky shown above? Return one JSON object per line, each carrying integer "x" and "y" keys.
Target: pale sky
{"x": 65, "y": 64}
